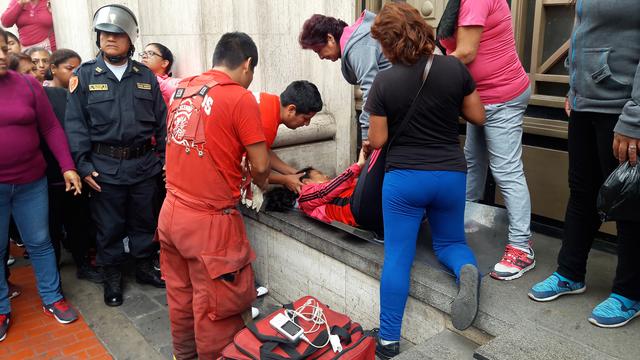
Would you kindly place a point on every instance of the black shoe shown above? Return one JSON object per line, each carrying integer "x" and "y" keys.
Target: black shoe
{"x": 146, "y": 274}
{"x": 90, "y": 273}
{"x": 464, "y": 308}
{"x": 112, "y": 286}
{"x": 385, "y": 352}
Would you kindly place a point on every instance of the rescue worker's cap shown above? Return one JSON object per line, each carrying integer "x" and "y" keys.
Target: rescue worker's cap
{"x": 116, "y": 19}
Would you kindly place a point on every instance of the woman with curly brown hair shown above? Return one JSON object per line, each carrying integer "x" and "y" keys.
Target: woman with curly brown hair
{"x": 426, "y": 168}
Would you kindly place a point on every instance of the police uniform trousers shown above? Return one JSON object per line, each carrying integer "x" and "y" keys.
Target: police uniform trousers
{"x": 121, "y": 211}
{"x": 205, "y": 260}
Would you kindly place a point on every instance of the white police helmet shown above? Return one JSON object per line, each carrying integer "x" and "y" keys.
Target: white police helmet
{"x": 116, "y": 19}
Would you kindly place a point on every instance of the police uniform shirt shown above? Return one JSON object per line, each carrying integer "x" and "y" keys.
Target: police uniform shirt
{"x": 126, "y": 113}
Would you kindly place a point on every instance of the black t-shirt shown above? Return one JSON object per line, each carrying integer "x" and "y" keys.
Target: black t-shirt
{"x": 430, "y": 140}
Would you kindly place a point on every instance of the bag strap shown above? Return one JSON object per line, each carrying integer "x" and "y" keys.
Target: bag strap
{"x": 413, "y": 107}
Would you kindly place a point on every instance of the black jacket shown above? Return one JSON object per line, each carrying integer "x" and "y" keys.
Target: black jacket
{"x": 128, "y": 112}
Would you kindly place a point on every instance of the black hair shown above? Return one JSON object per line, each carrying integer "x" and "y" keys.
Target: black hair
{"x": 14, "y": 60}
{"x": 280, "y": 199}
{"x": 304, "y": 95}
{"x": 58, "y": 57}
{"x": 12, "y": 35}
{"x": 4, "y": 34}
{"x": 305, "y": 173}
{"x": 233, "y": 49}
{"x": 165, "y": 53}
{"x": 61, "y": 56}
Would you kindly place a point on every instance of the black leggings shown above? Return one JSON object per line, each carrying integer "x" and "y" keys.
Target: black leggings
{"x": 590, "y": 163}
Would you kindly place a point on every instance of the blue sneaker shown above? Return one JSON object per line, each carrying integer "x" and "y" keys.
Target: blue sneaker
{"x": 614, "y": 312}
{"x": 555, "y": 286}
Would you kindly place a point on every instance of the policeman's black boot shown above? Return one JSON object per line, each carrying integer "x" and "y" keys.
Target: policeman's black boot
{"x": 146, "y": 274}
{"x": 112, "y": 285}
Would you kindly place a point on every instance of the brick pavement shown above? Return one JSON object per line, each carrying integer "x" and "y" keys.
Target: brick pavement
{"x": 35, "y": 335}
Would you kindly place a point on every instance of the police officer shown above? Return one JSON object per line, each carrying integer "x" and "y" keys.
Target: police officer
{"x": 114, "y": 111}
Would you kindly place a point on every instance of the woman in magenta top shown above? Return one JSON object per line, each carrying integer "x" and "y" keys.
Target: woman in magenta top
{"x": 26, "y": 117}
{"x": 480, "y": 34}
{"x": 34, "y": 21}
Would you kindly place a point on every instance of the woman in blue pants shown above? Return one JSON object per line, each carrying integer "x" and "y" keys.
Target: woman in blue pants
{"x": 426, "y": 168}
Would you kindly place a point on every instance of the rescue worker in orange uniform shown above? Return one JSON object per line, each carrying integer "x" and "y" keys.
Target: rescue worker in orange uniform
{"x": 295, "y": 107}
{"x": 205, "y": 254}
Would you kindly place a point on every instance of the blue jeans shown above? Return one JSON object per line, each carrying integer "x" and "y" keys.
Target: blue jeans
{"x": 29, "y": 205}
{"x": 407, "y": 195}
{"x": 498, "y": 144}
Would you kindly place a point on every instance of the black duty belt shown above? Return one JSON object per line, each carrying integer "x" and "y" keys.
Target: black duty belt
{"x": 123, "y": 152}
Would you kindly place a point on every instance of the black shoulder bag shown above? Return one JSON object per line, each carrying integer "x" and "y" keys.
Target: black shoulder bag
{"x": 366, "y": 201}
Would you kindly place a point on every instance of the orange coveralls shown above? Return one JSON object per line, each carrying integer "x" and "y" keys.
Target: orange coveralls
{"x": 205, "y": 254}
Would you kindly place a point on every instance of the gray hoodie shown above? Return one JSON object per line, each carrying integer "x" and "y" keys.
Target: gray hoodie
{"x": 604, "y": 61}
{"x": 361, "y": 60}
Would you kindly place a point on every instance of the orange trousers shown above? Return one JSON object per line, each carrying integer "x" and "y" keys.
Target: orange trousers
{"x": 206, "y": 260}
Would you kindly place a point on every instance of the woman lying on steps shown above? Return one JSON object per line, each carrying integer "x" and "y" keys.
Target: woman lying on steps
{"x": 321, "y": 197}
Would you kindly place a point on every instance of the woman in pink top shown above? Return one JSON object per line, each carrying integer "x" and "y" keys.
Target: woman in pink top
{"x": 483, "y": 39}
{"x": 34, "y": 21}
{"x": 159, "y": 59}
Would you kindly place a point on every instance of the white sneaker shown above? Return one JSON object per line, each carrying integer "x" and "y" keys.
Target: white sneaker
{"x": 254, "y": 312}
{"x": 262, "y": 291}
{"x": 11, "y": 260}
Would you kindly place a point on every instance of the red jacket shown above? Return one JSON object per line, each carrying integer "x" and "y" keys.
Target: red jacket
{"x": 330, "y": 201}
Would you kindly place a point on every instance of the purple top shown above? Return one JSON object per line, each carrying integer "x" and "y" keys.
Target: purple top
{"x": 25, "y": 116}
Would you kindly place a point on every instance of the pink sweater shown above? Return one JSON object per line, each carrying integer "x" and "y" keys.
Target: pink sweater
{"x": 35, "y": 23}
{"x": 168, "y": 86}
{"x": 497, "y": 70}
{"x": 27, "y": 116}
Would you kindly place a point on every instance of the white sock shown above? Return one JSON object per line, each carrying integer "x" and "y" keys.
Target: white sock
{"x": 385, "y": 342}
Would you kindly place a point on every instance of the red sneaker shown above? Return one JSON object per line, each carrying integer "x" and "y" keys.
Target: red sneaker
{"x": 514, "y": 264}
{"x": 61, "y": 311}
{"x": 4, "y": 325}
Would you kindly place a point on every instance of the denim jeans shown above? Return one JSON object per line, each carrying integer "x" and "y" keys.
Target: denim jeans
{"x": 498, "y": 144}
{"x": 28, "y": 203}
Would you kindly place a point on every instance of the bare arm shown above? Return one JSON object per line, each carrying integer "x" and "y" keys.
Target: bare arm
{"x": 472, "y": 109}
{"x": 467, "y": 42}
{"x": 258, "y": 156}
{"x": 378, "y": 131}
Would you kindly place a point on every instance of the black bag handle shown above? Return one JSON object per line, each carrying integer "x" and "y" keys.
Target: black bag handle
{"x": 412, "y": 108}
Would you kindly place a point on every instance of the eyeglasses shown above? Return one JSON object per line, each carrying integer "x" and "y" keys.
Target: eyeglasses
{"x": 40, "y": 61}
{"x": 148, "y": 53}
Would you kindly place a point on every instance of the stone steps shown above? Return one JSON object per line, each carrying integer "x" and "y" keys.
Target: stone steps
{"x": 446, "y": 345}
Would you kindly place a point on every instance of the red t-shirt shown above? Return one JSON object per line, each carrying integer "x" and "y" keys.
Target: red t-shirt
{"x": 231, "y": 123}
{"x": 269, "y": 115}
{"x": 35, "y": 22}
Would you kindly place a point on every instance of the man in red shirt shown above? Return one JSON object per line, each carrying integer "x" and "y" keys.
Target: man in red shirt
{"x": 295, "y": 107}
{"x": 205, "y": 254}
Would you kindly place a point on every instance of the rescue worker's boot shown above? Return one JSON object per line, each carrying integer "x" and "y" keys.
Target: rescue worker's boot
{"x": 112, "y": 285}
{"x": 146, "y": 274}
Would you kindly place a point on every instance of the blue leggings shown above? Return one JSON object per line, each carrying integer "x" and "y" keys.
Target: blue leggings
{"x": 407, "y": 195}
